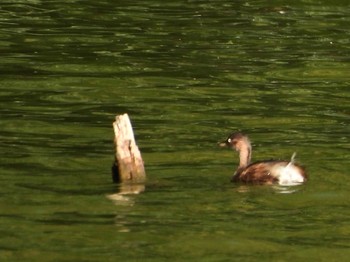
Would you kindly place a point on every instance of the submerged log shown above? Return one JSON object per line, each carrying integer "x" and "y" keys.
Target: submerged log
{"x": 128, "y": 165}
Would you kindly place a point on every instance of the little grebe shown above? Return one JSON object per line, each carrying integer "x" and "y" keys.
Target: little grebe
{"x": 262, "y": 172}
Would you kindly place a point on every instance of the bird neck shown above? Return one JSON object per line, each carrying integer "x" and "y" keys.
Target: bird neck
{"x": 245, "y": 156}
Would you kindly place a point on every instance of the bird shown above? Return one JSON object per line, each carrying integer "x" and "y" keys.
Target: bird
{"x": 280, "y": 172}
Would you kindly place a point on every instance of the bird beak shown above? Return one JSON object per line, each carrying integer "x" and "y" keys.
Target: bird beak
{"x": 223, "y": 144}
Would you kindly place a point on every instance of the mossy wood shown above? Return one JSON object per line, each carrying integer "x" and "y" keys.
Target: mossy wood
{"x": 128, "y": 166}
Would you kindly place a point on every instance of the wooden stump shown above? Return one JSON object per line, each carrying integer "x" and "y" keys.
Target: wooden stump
{"x": 128, "y": 165}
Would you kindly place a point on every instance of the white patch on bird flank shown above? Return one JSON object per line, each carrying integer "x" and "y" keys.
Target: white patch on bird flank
{"x": 290, "y": 175}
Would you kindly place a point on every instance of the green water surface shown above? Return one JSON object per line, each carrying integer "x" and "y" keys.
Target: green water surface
{"x": 188, "y": 73}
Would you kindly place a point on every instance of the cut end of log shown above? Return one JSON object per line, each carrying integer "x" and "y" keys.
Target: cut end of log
{"x": 128, "y": 166}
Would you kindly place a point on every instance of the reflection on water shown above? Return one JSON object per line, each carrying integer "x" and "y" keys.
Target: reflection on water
{"x": 269, "y": 189}
{"x": 119, "y": 199}
{"x": 287, "y": 189}
{"x": 188, "y": 73}
{"x": 126, "y": 189}
{"x": 129, "y": 188}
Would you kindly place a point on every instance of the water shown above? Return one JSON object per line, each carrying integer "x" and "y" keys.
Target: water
{"x": 188, "y": 73}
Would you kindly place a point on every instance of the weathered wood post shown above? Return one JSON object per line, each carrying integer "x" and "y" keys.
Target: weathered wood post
{"x": 128, "y": 165}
